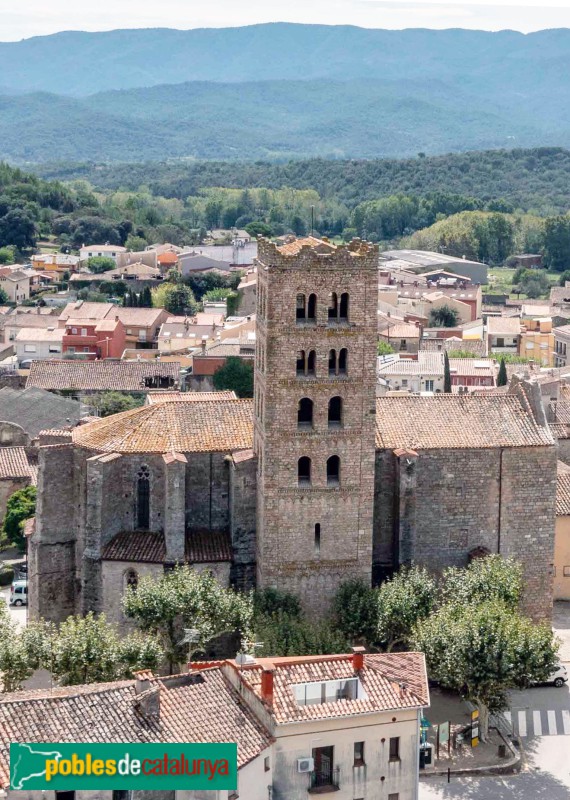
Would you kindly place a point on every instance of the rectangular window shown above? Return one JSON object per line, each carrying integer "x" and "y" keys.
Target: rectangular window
{"x": 71, "y": 349}
{"x": 29, "y": 348}
{"x": 403, "y": 344}
{"x": 129, "y": 330}
{"x": 566, "y": 572}
{"x": 54, "y": 348}
{"x": 358, "y": 754}
{"x": 85, "y": 349}
{"x": 404, "y": 381}
{"x": 74, "y": 330}
{"x": 395, "y": 748}
{"x": 266, "y": 765}
{"x": 84, "y": 331}
{"x": 500, "y": 342}
{"x": 429, "y": 386}
{"x": 394, "y": 796}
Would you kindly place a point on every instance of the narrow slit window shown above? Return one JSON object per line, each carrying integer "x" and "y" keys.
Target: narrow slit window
{"x": 335, "y": 412}
{"x": 343, "y": 361}
{"x": 300, "y": 306}
{"x": 311, "y": 363}
{"x": 333, "y": 306}
{"x": 343, "y": 306}
{"x": 301, "y": 362}
{"x": 332, "y": 362}
{"x": 312, "y": 307}
{"x": 318, "y": 538}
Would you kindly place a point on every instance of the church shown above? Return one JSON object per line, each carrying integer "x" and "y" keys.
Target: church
{"x": 312, "y": 482}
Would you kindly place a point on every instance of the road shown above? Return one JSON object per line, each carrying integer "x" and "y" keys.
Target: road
{"x": 18, "y": 613}
{"x": 541, "y": 717}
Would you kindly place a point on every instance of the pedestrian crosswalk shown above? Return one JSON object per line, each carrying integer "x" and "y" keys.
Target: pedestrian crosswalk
{"x": 526, "y": 722}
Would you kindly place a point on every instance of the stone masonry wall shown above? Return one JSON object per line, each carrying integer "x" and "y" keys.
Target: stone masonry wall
{"x": 288, "y": 556}
{"x": 500, "y": 499}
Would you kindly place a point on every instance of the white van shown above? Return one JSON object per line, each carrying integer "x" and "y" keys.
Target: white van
{"x": 19, "y": 593}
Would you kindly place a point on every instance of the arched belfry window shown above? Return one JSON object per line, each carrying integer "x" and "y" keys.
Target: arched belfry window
{"x": 305, "y": 413}
{"x": 143, "y": 498}
{"x": 131, "y": 579}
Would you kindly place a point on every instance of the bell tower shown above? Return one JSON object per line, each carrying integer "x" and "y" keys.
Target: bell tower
{"x": 314, "y": 408}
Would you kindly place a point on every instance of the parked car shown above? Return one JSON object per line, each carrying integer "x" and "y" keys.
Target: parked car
{"x": 558, "y": 677}
{"x": 19, "y": 593}
{"x": 22, "y": 571}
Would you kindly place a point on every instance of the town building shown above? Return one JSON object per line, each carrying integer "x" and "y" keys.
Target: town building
{"x": 100, "y": 251}
{"x": 403, "y": 337}
{"x": 561, "y": 345}
{"x": 87, "y": 339}
{"x": 33, "y": 344}
{"x": 26, "y": 412}
{"x": 537, "y": 340}
{"x": 17, "y": 470}
{"x": 504, "y": 335}
{"x": 434, "y": 264}
{"x": 562, "y": 535}
{"x": 347, "y": 724}
{"x": 12, "y": 323}
{"x": 426, "y": 374}
{"x": 15, "y": 283}
{"x": 313, "y": 482}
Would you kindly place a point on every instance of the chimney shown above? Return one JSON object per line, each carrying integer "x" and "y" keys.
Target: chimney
{"x": 148, "y": 703}
{"x": 358, "y": 658}
{"x": 204, "y": 340}
{"x": 142, "y": 682}
{"x": 116, "y": 317}
{"x": 267, "y": 686}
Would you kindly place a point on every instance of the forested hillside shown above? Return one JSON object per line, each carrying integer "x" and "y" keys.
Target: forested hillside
{"x": 536, "y": 179}
{"x": 280, "y": 91}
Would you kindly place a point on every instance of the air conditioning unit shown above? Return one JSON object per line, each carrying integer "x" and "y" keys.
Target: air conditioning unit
{"x": 305, "y": 764}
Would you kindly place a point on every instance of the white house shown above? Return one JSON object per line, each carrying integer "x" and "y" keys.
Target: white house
{"x": 15, "y": 283}
{"x": 38, "y": 344}
{"x": 101, "y": 250}
{"x": 348, "y": 724}
{"x": 408, "y": 375}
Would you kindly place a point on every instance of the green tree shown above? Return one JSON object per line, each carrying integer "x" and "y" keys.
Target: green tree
{"x": 557, "y": 242}
{"x": 284, "y": 635}
{"x": 443, "y": 317}
{"x": 385, "y": 349}
{"x": 176, "y": 298}
{"x": 90, "y": 650}
{"x": 483, "y": 651}
{"x": 490, "y": 578}
{"x": 462, "y": 354}
{"x": 236, "y": 375}
{"x": 7, "y": 255}
{"x": 408, "y": 597}
{"x": 15, "y": 664}
{"x": 99, "y": 264}
{"x": 4, "y": 299}
{"x": 135, "y": 244}
{"x": 19, "y": 229}
{"x": 356, "y": 611}
{"x": 20, "y": 507}
{"x": 502, "y": 378}
{"x": 184, "y": 598}
{"x": 258, "y": 228}
{"x": 564, "y": 277}
{"x": 108, "y": 403}
{"x": 446, "y": 374}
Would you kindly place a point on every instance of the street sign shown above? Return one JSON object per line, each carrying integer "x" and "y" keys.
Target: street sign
{"x": 474, "y": 728}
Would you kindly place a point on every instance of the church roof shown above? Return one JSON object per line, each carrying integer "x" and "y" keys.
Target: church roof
{"x": 172, "y": 426}
{"x": 456, "y": 422}
{"x": 106, "y": 375}
{"x": 202, "y": 547}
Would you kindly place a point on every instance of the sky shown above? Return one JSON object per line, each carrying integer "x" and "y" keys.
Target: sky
{"x": 20, "y": 19}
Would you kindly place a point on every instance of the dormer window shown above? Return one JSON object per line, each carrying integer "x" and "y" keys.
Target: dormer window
{"x": 312, "y": 694}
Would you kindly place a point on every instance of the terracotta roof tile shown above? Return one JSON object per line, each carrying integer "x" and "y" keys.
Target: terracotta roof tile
{"x": 202, "y": 547}
{"x": 190, "y": 397}
{"x": 456, "y": 421}
{"x": 292, "y": 248}
{"x": 126, "y": 376}
{"x": 172, "y": 427}
{"x": 200, "y": 707}
{"x": 144, "y": 546}
{"x": 14, "y": 463}
{"x": 563, "y": 494}
{"x": 380, "y": 680}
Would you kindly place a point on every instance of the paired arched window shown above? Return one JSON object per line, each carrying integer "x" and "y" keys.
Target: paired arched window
{"x": 338, "y": 307}
{"x": 305, "y": 413}
{"x": 306, "y": 363}
{"x": 335, "y": 412}
{"x": 143, "y": 498}
{"x": 306, "y": 308}
{"x": 338, "y": 362}
{"x": 304, "y": 471}
{"x": 333, "y": 471}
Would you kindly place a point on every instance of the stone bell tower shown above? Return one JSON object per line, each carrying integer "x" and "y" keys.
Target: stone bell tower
{"x": 315, "y": 406}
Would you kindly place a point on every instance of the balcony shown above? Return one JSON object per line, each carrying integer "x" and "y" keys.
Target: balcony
{"x": 324, "y": 780}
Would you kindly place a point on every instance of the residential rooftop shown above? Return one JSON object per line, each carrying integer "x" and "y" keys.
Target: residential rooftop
{"x": 106, "y": 375}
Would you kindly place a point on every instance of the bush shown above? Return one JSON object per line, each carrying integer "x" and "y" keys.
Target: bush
{"x": 6, "y": 575}
{"x": 20, "y": 507}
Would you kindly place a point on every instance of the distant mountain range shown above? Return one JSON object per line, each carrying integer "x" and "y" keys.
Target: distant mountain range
{"x": 280, "y": 91}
